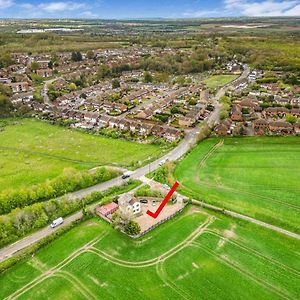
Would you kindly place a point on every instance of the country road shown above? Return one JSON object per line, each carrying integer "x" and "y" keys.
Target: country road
{"x": 184, "y": 146}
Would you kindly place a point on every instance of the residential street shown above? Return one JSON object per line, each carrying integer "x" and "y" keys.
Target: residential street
{"x": 185, "y": 145}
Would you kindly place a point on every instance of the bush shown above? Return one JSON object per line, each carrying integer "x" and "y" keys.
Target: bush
{"x": 21, "y": 222}
{"x": 70, "y": 181}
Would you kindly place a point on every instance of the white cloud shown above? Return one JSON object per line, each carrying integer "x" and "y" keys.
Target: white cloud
{"x": 201, "y": 13}
{"x": 60, "y": 6}
{"x": 6, "y": 3}
{"x": 264, "y": 8}
{"x": 89, "y": 14}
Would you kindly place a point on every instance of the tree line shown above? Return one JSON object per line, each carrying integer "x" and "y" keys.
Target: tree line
{"x": 20, "y": 222}
{"x": 71, "y": 180}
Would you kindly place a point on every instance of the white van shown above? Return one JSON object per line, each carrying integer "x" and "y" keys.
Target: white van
{"x": 57, "y": 222}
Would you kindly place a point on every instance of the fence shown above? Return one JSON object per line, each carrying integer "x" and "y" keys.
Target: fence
{"x": 159, "y": 223}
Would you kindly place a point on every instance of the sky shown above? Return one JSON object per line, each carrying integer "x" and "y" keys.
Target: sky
{"x": 139, "y": 9}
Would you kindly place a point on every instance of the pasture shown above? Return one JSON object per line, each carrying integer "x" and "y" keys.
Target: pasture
{"x": 32, "y": 151}
{"x": 256, "y": 176}
{"x": 217, "y": 81}
{"x": 197, "y": 255}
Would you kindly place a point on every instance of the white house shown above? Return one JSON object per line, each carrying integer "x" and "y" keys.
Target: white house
{"x": 130, "y": 204}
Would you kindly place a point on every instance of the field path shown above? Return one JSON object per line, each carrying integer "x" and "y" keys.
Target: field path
{"x": 55, "y": 270}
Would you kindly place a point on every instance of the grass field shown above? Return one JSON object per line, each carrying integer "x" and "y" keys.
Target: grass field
{"x": 256, "y": 176}
{"x": 217, "y": 81}
{"x": 32, "y": 151}
{"x": 197, "y": 255}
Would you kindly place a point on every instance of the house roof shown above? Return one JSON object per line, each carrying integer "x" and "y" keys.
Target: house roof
{"x": 107, "y": 208}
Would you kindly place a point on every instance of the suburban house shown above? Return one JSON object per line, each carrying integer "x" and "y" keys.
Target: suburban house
{"x": 260, "y": 126}
{"x": 280, "y": 127}
{"x": 20, "y": 87}
{"x": 45, "y": 72}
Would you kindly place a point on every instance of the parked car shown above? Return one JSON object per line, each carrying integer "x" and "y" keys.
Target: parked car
{"x": 166, "y": 186}
{"x": 162, "y": 162}
{"x": 145, "y": 201}
{"x": 153, "y": 202}
{"x": 125, "y": 176}
{"x": 57, "y": 222}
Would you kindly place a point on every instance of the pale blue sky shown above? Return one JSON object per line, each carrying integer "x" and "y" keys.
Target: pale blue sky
{"x": 126, "y": 9}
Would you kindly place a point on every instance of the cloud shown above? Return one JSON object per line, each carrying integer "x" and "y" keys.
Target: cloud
{"x": 202, "y": 13}
{"x": 6, "y": 3}
{"x": 60, "y": 6}
{"x": 90, "y": 15}
{"x": 264, "y": 8}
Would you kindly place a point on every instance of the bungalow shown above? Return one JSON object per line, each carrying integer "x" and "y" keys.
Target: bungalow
{"x": 107, "y": 209}
{"x": 280, "y": 127}
{"x": 104, "y": 120}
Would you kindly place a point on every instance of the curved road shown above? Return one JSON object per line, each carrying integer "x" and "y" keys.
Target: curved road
{"x": 185, "y": 145}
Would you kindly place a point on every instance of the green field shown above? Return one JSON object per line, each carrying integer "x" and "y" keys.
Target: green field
{"x": 32, "y": 151}
{"x": 217, "y": 81}
{"x": 197, "y": 255}
{"x": 256, "y": 176}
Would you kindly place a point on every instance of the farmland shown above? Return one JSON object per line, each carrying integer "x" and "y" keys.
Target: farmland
{"x": 39, "y": 151}
{"x": 219, "y": 259}
{"x": 258, "y": 177}
{"x": 217, "y": 81}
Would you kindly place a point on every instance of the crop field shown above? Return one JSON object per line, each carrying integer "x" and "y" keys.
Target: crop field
{"x": 197, "y": 255}
{"x": 32, "y": 151}
{"x": 256, "y": 176}
{"x": 217, "y": 81}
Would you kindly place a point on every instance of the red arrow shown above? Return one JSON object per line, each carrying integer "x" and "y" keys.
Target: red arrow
{"x": 163, "y": 204}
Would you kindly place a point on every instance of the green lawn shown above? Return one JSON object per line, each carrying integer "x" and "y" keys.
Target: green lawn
{"x": 197, "y": 255}
{"x": 256, "y": 176}
{"x": 217, "y": 81}
{"x": 32, "y": 151}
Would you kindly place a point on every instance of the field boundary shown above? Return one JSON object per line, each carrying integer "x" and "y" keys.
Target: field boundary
{"x": 247, "y": 218}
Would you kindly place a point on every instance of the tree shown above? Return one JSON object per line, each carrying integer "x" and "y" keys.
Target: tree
{"x": 103, "y": 71}
{"x": 76, "y": 56}
{"x": 90, "y": 54}
{"x": 115, "y": 84}
{"x": 132, "y": 228}
{"x": 34, "y": 66}
{"x": 72, "y": 86}
{"x": 148, "y": 77}
{"x": 291, "y": 119}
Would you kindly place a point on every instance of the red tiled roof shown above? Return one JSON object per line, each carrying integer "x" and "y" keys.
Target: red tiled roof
{"x": 107, "y": 208}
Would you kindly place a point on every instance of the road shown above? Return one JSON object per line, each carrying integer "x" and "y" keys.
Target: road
{"x": 184, "y": 146}
{"x": 44, "y": 91}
